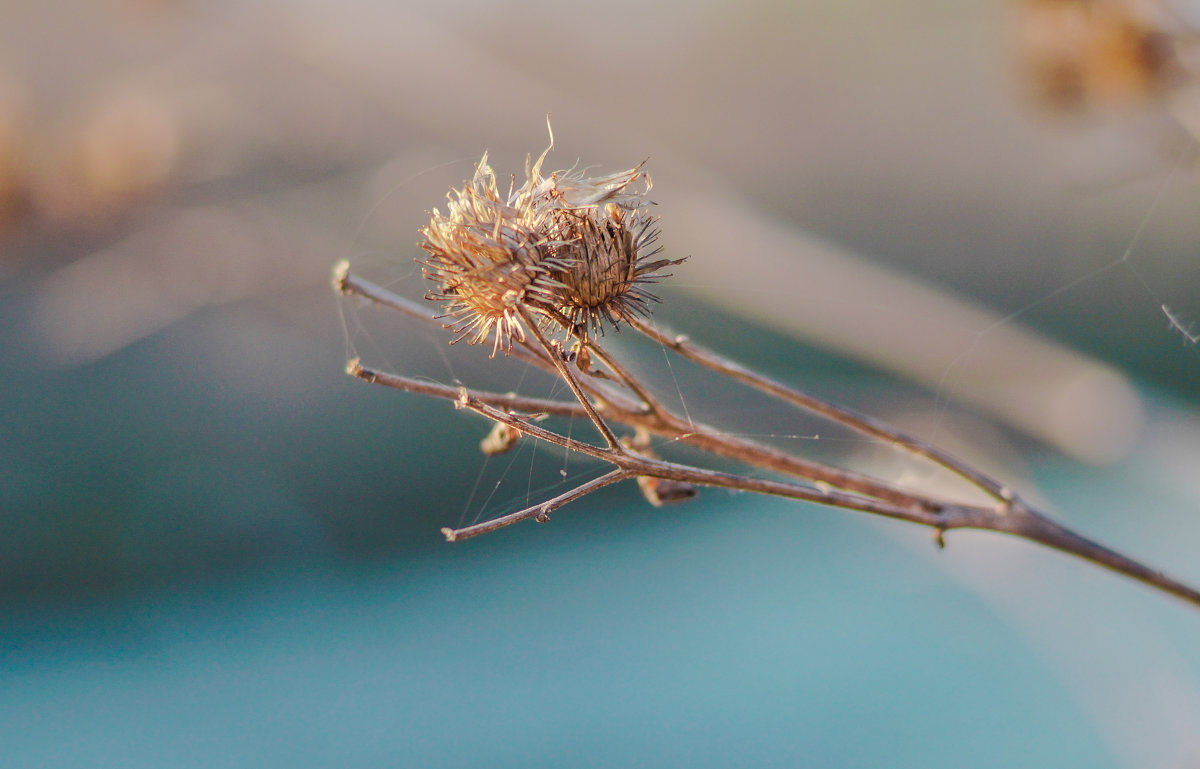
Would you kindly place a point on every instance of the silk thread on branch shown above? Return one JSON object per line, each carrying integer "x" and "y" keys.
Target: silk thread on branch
{"x": 541, "y": 272}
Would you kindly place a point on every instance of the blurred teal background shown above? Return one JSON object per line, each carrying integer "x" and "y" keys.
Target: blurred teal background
{"x": 218, "y": 550}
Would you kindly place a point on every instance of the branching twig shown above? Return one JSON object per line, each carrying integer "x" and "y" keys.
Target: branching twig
{"x": 876, "y": 497}
{"x": 625, "y": 411}
{"x": 540, "y": 512}
{"x": 852, "y": 419}
{"x": 563, "y": 255}
{"x": 1018, "y": 520}
{"x": 564, "y": 371}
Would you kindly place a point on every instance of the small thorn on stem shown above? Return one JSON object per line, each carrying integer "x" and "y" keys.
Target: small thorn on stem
{"x": 939, "y": 538}
{"x": 542, "y": 517}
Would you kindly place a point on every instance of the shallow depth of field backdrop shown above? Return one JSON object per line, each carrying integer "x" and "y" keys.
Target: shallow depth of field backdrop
{"x": 217, "y": 550}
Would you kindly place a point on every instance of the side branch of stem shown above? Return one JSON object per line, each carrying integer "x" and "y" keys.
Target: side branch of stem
{"x": 815, "y": 482}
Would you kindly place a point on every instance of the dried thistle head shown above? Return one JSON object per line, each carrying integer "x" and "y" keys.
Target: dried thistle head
{"x": 488, "y": 256}
{"x": 569, "y": 248}
{"x": 613, "y": 249}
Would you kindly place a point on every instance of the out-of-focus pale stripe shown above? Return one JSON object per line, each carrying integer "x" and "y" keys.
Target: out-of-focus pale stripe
{"x": 195, "y": 258}
{"x": 793, "y": 282}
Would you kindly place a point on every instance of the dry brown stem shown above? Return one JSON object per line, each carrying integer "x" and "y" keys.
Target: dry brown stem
{"x": 633, "y": 406}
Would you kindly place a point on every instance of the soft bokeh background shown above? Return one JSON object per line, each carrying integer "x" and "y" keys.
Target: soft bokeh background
{"x": 217, "y": 550}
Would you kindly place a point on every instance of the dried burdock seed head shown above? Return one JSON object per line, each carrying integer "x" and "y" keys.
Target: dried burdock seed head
{"x": 614, "y": 262}
{"x": 488, "y": 256}
{"x": 577, "y": 252}
{"x": 566, "y": 247}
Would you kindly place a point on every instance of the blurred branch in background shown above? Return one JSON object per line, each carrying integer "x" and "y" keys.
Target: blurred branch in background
{"x": 194, "y": 258}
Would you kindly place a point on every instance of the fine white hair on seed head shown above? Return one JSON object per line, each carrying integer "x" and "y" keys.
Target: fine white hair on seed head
{"x": 565, "y": 246}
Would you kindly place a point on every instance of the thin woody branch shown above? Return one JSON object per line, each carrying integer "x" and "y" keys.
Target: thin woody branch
{"x": 572, "y": 382}
{"x": 1019, "y": 520}
{"x": 635, "y": 464}
{"x": 574, "y": 254}
{"x": 540, "y": 512}
{"x": 1025, "y": 522}
{"x": 589, "y": 346}
{"x": 663, "y": 422}
{"x": 848, "y": 417}
{"x": 347, "y": 283}
{"x": 690, "y": 433}
{"x": 507, "y": 401}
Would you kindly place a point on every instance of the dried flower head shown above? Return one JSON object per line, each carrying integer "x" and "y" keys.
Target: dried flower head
{"x": 567, "y": 247}
{"x": 489, "y": 255}
{"x": 613, "y": 249}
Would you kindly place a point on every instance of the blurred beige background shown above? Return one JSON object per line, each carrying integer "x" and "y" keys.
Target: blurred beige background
{"x": 175, "y": 156}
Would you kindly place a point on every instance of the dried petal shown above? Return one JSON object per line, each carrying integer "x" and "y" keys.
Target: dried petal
{"x": 662, "y": 491}
{"x": 500, "y": 440}
{"x": 657, "y": 491}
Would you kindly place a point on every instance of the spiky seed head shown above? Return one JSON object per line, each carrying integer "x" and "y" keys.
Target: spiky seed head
{"x": 565, "y": 246}
{"x": 488, "y": 255}
{"x": 614, "y": 263}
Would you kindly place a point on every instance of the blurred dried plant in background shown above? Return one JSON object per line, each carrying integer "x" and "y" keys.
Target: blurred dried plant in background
{"x": 1083, "y": 54}
{"x": 15, "y": 129}
{"x": 1105, "y": 58}
{"x": 119, "y": 150}
{"x": 91, "y": 163}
